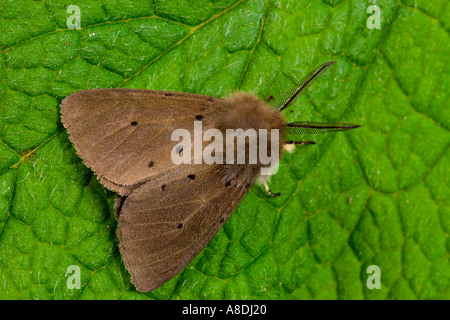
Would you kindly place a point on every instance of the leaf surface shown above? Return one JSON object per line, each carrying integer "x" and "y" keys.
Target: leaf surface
{"x": 378, "y": 195}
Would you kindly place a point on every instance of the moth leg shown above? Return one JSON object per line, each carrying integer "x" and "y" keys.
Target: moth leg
{"x": 270, "y": 192}
{"x": 269, "y": 99}
{"x": 300, "y": 142}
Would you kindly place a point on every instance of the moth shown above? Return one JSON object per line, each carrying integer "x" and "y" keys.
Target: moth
{"x": 167, "y": 213}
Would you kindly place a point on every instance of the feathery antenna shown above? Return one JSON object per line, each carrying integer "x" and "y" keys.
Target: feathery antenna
{"x": 290, "y": 96}
{"x": 309, "y": 127}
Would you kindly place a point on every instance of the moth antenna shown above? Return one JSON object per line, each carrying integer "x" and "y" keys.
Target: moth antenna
{"x": 312, "y": 127}
{"x": 290, "y": 96}
{"x": 270, "y": 192}
{"x": 300, "y": 142}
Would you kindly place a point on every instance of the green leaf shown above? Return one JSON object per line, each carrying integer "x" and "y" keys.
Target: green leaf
{"x": 378, "y": 195}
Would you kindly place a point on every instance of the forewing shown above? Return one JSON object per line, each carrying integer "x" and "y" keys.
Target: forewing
{"x": 163, "y": 226}
{"x": 124, "y": 135}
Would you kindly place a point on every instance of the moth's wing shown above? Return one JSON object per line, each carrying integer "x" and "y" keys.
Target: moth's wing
{"x": 124, "y": 135}
{"x": 163, "y": 226}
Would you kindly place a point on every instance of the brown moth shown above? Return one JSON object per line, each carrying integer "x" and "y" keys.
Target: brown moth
{"x": 167, "y": 213}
